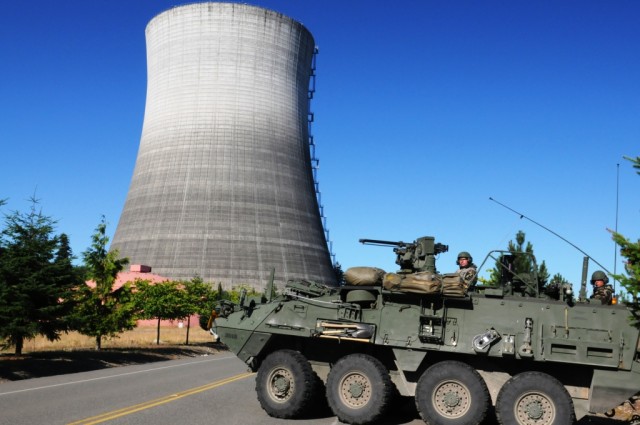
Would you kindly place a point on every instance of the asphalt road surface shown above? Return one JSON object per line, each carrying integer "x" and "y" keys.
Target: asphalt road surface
{"x": 196, "y": 391}
{"x": 213, "y": 389}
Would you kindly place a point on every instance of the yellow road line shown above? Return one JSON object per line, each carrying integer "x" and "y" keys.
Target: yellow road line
{"x": 152, "y": 403}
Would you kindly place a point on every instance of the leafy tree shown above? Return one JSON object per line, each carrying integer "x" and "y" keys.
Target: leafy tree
{"x": 174, "y": 300}
{"x": 523, "y": 264}
{"x": 102, "y": 311}
{"x": 210, "y": 302}
{"x": 36, "y": 278}
{"x": 201, "y": 297}
{"x": 235, "y": 293}
{"x": 631, "y": 251}
{"x": 162, "y": 301}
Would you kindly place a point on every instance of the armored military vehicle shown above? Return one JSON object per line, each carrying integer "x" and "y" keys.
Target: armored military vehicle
{"x": 456, "y": 346}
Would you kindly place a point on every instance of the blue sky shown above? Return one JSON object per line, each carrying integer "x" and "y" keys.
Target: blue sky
{"x": 423, "y": 111}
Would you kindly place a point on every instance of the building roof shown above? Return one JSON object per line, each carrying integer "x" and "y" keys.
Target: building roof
{"x": 136, "y": 272}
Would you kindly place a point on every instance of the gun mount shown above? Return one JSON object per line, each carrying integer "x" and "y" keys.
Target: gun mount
{"x": 413, "y": 257}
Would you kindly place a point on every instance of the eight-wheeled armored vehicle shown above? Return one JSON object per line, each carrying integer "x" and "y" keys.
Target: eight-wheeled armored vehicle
{"x": 456, "y": 346}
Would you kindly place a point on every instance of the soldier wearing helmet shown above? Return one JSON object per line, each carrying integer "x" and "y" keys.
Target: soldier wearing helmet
{"x": 468, "y": 271}
{"x": 601, "y": 289}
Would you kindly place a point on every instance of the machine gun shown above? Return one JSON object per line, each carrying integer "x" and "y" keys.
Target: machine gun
{"x": 412, "y": 257}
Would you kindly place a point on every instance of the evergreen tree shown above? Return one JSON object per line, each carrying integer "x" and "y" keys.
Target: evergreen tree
{"x": 543, "y": 276}
{"x": 220, "y": 292}
{"x": 36, "y": 279}
{"x": 523, "y": 264}
{"x": 631, "y": 251}
{"x": 337, "y": 269}
{"x": 102, "y": 311}
{"x": 558, "y": 279}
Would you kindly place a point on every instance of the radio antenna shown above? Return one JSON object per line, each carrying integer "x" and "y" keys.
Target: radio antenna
{"x": 615, "y": 244}
{"x": 550, "y": 231}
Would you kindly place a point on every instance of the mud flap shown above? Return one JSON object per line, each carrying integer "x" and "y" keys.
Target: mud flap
{"x": 609, "y": 388}
{"x": 257, "y": 341}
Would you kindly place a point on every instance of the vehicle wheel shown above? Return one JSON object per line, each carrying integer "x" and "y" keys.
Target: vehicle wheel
{"x": 286, "y": 385}
{"x": 359, "y": 389}
{"x": 534, "y": 398}
{"x": 452, "y": 393}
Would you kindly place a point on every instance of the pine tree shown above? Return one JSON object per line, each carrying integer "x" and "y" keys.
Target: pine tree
{"x": 36, "y": 279}
{"x": 558, "y": 279}
{"x": 337, "y": 269}
{"x": 220, "y": 292}
{"x": 631, "y": 251}
{"x": 102, "y": 311}
{"x": 523, "y": 264}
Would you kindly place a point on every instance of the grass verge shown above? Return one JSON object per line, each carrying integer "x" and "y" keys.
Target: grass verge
{"x": 75, "y": 353}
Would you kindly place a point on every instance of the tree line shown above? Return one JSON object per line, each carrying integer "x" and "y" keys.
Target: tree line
{"x": 43, "y": 293}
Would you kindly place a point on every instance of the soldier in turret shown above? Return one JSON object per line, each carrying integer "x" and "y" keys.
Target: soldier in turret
{"x": 468, "y": 271}
{"x": 601, "y": 289}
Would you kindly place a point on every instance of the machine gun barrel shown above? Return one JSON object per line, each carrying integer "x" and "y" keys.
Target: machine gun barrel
{"x": 382, "y": 243}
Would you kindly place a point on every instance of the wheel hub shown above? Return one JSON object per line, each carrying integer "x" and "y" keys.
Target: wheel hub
{"x": 355, "y": 390}
{"x": 451, "y": 399}
{"x": 535, "y": 409}
{"x": 281, "y": 385}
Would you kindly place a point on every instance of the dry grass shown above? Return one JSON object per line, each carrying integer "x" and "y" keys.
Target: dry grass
{"x": 74, "y": 353}
{"x": 139, "y": 337}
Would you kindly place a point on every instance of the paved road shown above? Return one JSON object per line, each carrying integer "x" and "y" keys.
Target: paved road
{"x": 196, "y": 391}
{"x": 207, "y": 390}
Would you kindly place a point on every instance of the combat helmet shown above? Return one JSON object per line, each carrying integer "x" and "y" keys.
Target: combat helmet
{"x": 599, "y": 275}
{"x": 464, "y": 254}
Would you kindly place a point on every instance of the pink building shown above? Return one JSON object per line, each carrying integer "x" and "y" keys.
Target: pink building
{"x": 142, "y": 272}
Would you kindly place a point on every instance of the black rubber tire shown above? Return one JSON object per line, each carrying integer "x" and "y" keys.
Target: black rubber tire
{"x": 320, "y": 406}
{"x": 452, "y": 393}
{"x": 359, "y": 389}
{"x": 534, "y": 398}
{"x": 286, "y": 385}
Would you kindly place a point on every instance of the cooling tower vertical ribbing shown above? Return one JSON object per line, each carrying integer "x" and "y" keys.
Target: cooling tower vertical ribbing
{"x": 222, "y": 186}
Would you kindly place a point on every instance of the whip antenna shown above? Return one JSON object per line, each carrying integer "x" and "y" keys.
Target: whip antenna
{"x": 550, "y": 231}
{"x": 615, "y": 244}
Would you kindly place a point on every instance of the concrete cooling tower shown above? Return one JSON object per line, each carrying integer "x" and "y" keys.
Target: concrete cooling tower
{"x": 223, "y": 186}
